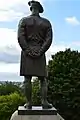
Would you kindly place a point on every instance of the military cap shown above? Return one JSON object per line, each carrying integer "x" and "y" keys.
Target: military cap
{"x": 36, "y": 3}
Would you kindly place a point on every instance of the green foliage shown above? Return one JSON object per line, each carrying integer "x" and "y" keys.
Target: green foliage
{"x": 8, "y": 88}
{"x": 10, "y": 103}
{"x": 36, "y": 92}
{"x": 64, "y": 83}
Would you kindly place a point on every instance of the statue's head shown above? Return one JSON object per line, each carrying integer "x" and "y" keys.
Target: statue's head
{"x": 35, "y": 4}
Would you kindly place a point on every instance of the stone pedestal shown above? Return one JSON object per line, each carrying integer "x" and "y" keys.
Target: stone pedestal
{"x": 36, "y": 113}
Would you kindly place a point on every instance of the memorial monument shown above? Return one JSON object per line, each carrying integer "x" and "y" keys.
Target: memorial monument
{"x": 35, "y": 37}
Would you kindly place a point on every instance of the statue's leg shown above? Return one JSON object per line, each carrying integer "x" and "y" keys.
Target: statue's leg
{"x": 43, "y": 82}
{"x": 28, "y": 91}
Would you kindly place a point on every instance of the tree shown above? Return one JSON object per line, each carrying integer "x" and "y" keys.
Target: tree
{"x": 64, "y": 83}
{"x": 8, "y": 88}
{"x": 10, "y": 103}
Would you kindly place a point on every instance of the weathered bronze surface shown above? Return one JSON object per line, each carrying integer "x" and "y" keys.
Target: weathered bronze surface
{"x": 34, "y": 37}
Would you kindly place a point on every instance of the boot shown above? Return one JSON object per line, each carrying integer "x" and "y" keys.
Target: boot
{"x": 28, "y": 105}
{"x": 46, "y": 105}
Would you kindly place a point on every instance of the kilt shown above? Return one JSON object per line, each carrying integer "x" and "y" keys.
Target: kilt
{"x": 33, "y": 66}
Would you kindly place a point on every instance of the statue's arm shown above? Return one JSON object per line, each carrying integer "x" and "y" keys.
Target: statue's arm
{"x": 48, "y": 39}
{"x": 21, "y": 34}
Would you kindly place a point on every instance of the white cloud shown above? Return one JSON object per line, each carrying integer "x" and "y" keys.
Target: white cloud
{"x": 9, "y": 54}
{"x": 8, "y": 37}
{"x": 10, "y": 3}
{"x": 13, "y": 9}
{"x": 10, "y": 50}
{"x": 9, "y": 47}
{"x": 6, "y": 76}
{"x": 54, "y": 49}
{"x": 76, "y": 43}
{"x": 9, "y": 15}
{"x": 11, "y": 68}
{"x": 72, "y": 20}
{"x": 9, "y": 9}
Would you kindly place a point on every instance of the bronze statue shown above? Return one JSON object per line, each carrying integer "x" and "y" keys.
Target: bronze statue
{"x": 34, "y": 38}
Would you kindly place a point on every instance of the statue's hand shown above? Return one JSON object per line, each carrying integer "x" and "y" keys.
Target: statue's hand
{"x": 37, "y": 54}
{"x": 34, "y": 54}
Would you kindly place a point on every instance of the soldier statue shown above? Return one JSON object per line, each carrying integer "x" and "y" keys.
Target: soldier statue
{"x": 34, "y": 38}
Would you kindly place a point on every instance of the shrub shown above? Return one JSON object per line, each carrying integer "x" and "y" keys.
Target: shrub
{"x": 10, "y": 103}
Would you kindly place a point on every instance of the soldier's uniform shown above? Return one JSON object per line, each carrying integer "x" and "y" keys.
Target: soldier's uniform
{"x": 34, "y": 33}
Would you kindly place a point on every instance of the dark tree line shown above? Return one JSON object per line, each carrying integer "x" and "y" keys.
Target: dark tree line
{"x": 64, "y": 83}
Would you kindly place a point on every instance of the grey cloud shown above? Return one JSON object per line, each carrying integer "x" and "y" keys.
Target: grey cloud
{"x": 9, "y": 55}
{"x": 4, "y": 76}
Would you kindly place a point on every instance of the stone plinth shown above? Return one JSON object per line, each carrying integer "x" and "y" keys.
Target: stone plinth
{"x": 36, "y": 113}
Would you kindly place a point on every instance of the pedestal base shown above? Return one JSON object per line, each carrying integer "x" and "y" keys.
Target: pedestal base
{"x": 36, "y": 113}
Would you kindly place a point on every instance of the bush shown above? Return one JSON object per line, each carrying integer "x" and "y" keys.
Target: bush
{"x": 8, "y": 104}
{"x": 8, "y": 88}
{"x": 64, "y": 83}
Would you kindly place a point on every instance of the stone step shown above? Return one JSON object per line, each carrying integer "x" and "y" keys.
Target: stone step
{"x": 36, "y": 113}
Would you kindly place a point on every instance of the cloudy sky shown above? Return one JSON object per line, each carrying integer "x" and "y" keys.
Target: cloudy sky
{"x": 65, "y": 20}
